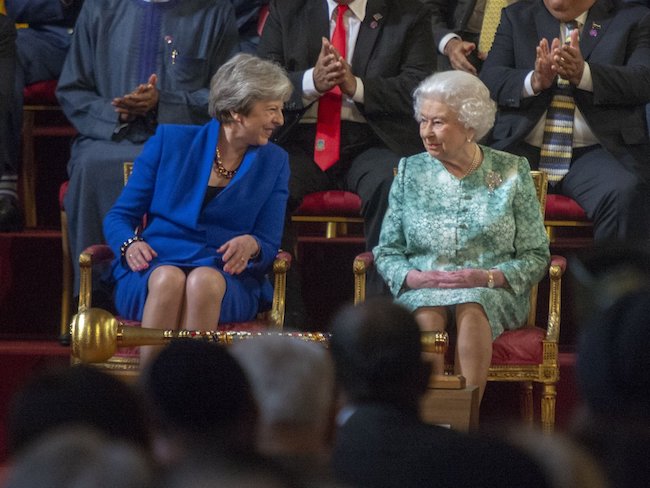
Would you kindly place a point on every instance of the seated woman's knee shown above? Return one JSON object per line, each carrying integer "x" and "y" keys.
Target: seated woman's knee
{"x": 166, "y": 279}
{"x": 205, "y": 280}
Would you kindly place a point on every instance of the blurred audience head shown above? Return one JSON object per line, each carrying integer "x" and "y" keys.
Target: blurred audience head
{"x": 565, "y": 463}
{"x": 376, "y": 348}
{"x": 247, "y": 473}
{"x": 613, "y": 364}
{"x": 602, "y": 274}
{"x": 76, "y": 396}
{"x": 200, "y": 399}
{"x": 293, "y": 383}
{"x": 78, "y": 457}
{"x": 613, "y": 361}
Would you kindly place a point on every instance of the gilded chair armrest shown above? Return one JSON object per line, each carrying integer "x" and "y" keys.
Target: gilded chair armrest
{"x": 98, "y": 253}
{"x": 281, "y": 265}
{"x": 555, "y": 272}
{"x": 282, "y": 258}
{"x": 362, "y": 263}
{"x": 91, "y": 256}
{"x": 559, "y": 261}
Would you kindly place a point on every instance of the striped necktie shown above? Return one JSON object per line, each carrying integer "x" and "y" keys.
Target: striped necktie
{"x": 557, "y": 142}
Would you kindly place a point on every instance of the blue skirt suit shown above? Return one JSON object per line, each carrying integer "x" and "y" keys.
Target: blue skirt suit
{"x": 168, "y": 184}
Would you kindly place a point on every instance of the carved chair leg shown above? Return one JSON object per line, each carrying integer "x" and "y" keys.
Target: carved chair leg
{"x": 548, "y": 408}
{"x": 526, "y": 402}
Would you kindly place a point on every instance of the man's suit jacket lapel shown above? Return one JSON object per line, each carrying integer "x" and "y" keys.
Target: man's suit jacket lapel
{"x": 598, "y": 20}
{"x": 371, "y": 26}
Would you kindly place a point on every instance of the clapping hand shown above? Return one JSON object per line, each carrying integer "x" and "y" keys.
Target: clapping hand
{"x": 568, "y": 61}
{"x": 139, "y": 102}
{"x": 333, "y": 70}
{"x": 544, "y": 73}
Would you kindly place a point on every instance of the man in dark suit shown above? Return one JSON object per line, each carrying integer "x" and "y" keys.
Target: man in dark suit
{"x": 388, "y": 53}
{"x": 381, "y": 441}
{"x": 607, "y": 64}
{"x": 40, "y": 50}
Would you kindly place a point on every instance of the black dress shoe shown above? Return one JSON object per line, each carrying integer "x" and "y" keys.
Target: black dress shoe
{"x": 11, "y": 217}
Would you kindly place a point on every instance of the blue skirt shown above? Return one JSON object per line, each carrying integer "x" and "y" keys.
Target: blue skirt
{"x": 241, "y": 301}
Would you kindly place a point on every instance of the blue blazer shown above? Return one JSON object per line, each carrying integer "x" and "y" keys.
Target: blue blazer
{"x": 168, "y": 184}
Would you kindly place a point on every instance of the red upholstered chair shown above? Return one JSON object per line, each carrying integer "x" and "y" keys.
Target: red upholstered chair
{"x": 42, "y": 117}
{"x": 566, "y": 222}
{"x": 126, "y": 361}
{"x": 98, "y": 254}
{"x": 527, "y": 355}
{"x": 336, "y": 210}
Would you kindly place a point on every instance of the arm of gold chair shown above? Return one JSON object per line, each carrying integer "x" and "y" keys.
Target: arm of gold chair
{"x": 93, "y": 255}
{"x": 556, "y": 270}
{"x": 362, "y": 263}
{"x": 281, "y": 266}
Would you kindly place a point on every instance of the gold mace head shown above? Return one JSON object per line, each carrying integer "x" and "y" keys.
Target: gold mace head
{"x": 94, "y": 335}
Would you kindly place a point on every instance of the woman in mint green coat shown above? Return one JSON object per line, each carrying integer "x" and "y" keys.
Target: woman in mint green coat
{"x": 463, "y": 240}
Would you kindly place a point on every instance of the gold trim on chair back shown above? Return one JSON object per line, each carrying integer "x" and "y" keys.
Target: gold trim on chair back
{"x": 540, "y": 179}
{"x": 127, "y": 169}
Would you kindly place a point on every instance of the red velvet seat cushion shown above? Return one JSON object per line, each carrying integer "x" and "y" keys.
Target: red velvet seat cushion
{"x": 559, "y": 207}
{"x": 331, "y": 202}
{"x": 519, "y": 346}
{"x": 40, "y": 93}
{"x": 63, "y": 189}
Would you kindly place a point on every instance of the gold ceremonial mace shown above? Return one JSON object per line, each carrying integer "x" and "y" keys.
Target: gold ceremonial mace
{"x": 96, "y": 335}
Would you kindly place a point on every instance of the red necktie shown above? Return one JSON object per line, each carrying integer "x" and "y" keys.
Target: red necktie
{"x": 328, "y": 126}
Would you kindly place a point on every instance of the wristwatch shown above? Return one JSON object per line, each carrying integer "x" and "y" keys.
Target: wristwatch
{"x": 490, "y": 279}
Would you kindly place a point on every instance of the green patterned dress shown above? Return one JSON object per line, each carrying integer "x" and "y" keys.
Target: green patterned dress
{"x": 490, "y": 219}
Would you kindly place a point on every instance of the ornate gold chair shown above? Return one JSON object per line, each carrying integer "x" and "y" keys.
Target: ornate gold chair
{"x": 526, "y": 355}
{"x": 126, "y": 361}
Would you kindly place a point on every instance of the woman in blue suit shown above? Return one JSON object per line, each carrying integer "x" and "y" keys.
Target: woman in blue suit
{"x": 214, "y": 198}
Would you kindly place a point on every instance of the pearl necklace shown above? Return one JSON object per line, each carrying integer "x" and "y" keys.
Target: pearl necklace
{"x": 476, "y": 161}
{"x": 218, "y": 166}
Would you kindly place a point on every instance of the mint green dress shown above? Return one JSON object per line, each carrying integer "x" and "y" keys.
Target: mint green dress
{"x": 490, "y": 219}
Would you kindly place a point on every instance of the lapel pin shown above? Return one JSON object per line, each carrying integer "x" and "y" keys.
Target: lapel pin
{"x": 375, "y": 20}
{"x": 593, "y": 32}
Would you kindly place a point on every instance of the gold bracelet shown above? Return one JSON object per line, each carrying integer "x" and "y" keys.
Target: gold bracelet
{"x": 490, "y": 279}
